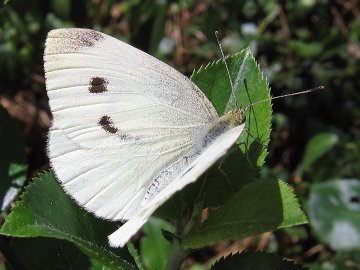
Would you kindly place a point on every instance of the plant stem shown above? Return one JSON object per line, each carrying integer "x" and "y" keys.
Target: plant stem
{"x": 177, "y": 257}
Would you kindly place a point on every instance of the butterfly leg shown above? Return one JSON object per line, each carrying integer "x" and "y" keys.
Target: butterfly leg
{"x": 247, "y": 156}
{"x": 224, "y": 174}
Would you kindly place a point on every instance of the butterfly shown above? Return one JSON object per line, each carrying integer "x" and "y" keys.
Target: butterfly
{"x": 128, "y": 130}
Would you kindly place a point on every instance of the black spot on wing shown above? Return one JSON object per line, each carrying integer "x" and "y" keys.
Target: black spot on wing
{"x": 98, "y": 85}
{"x": 71, "y": 40}
{"x": 80, "y": 37}
{"x": 107, "y": 124}
{"x": 89, "y": 37}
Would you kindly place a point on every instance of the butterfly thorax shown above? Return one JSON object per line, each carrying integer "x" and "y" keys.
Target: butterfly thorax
{"x": 219, "y": 126}
{"x": 205, "y": 138}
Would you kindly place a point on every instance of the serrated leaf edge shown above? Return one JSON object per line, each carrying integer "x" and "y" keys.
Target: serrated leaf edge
{"x": 296, "y": 202}
{"x": 286, "y": 260}
{"x": 203, "y": 68}
{"x": 75, "y": 240}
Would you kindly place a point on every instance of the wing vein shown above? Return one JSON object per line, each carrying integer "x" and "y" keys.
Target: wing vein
{"x": 138, "y": 174}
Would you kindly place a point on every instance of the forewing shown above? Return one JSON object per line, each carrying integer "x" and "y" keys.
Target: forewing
{"x": 215, "y": 151}
{"x": 119, "y": 117}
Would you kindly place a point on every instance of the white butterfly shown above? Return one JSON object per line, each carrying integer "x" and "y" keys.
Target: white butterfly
{"x": 128, "y": 131}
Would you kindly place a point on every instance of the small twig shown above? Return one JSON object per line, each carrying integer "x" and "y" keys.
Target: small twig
{"x": 178, "y": 254}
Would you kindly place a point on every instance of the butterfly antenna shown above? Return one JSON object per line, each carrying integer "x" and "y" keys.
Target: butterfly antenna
{"x": 288, "y": 95}
{"x": 227, "y": 68}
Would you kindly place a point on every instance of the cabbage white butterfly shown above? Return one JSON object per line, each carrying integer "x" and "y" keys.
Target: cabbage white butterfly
{"x": 128, "y": 130}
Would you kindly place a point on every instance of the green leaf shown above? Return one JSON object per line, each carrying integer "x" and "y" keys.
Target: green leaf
{"x": 155, "y": 249}
{"x": 13, "y": 167}
{"x": 135, "y": 254}
{"x": 240, "y": 167}
{"x": 224, "y": 180}
{"x": 317, "y": 147}
{"x": 258, "y": 207}
{"x": 45, "y": 210}
{"x": 234, "y": 170}
{"x": 334, "y": 213}
{"x": 46, "y": 253}
{"x": 95, "y": 265}
{"x": 255, "y": 261}
{"x": 250, "y": 86}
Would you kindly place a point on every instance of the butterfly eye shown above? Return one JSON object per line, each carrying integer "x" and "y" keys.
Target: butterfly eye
{"x": 243, "y": 114}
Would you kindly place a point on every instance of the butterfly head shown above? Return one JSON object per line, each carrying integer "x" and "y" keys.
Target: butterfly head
{"x": 236, "y": 117}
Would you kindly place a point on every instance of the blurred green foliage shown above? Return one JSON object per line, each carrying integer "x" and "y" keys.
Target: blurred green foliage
{"x": 334, "y": 210}
{"x": 13, "y": 161}
{"x": 154, "y": 247}
{"x": 299, "y": 45}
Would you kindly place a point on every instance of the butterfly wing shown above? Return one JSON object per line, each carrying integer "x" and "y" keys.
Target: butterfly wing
{"x": 214, "y": 152}
{"x": 120, "y": 116}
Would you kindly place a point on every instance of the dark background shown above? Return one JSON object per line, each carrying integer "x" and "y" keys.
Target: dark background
{"x": 298, "y": 45}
